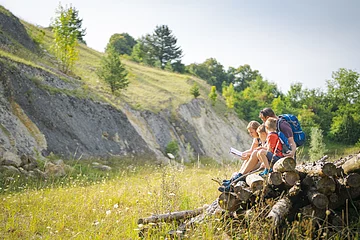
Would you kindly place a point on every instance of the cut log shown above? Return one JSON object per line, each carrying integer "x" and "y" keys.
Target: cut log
{"x": 254, "y": 181}
{"x": 319, "y": 200}
{"x": 294, "y": 190}
{"x": 286, "y": 164}
{"x": 279, "y": 211}
{"x": 341, "y": 161}
{"x": 318, "y": 169}
{"x": 352, "y": 165}
{"x": 229, "y": 201}
{"x": 307, "y": 182}
{"x": 290, "y": 178}
{"x": 169, "y": 217}
{"x": 275, "y": 178}
{"x": 344, "y": 195}
{"x": 311, "y": 211}
{"x": 326, "y": 185}
{"x": 242, "y": 193}
{"x": 352, "y": 180}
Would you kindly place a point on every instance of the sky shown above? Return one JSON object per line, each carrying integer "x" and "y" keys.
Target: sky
{"x": 287, "y": 41}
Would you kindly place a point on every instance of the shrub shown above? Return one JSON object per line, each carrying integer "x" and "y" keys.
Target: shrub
{"x": 317, "y": 146}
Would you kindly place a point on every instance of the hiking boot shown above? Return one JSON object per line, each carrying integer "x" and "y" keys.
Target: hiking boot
{"x": 265, "y": 172}
{"x": 225, "y": 188}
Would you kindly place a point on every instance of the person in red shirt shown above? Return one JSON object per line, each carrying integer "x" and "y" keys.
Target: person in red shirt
{"x": 273, "y": 150}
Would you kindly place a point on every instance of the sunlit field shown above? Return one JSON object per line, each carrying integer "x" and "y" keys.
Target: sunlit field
{"x": 90, "y": 204}
{"x": 103, "y": 206}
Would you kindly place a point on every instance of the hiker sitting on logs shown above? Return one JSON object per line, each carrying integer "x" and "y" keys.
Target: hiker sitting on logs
{"x": 251, "y": 160}
{"x": 284, "y": 127}
{"x": 273, "y": 150}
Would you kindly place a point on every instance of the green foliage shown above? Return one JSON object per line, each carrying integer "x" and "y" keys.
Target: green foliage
{"x": 194, "y": 90}
{"x": 159, "y": 46}
{"x": 76, "y": 25}
{"x": 66, "y": 36}
{"x": 112, "y": 71}
{"x": 258, "y": 95}
{"x": 122, "y": 43}
{"x": 172, "y": 147}
{"x": 211, "y": 71}
{"x": 343, "y": 99}
{"x": 345, "y": 126}
{"x": 317, "y": 145}
{"x": 229, "y": 95}
{"x": 213, "y": 95}
{"x": 242, "y": 76}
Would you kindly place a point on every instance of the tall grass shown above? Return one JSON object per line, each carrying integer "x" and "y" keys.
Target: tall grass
{"x": 90, "y": 204}
{"x": 103, "y": 206}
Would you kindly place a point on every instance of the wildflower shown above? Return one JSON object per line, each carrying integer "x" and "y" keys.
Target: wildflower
{"x": 108, "y": 212}
{"x": 96, "y": 222}
{"x": 116, "y": 205}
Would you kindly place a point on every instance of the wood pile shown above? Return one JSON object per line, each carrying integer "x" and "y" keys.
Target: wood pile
{"x": 317, "y": 191}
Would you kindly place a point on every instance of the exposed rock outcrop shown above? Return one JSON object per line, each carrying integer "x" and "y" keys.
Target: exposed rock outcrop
{"x": 41, "y": 111}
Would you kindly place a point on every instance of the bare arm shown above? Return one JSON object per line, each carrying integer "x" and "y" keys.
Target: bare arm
{"x": 293, "y": 147}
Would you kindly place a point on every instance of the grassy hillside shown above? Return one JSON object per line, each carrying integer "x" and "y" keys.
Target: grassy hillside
{"x": 150, "y": 88}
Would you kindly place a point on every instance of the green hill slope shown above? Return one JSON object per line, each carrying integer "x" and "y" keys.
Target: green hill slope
{"x": 150, "y": 88}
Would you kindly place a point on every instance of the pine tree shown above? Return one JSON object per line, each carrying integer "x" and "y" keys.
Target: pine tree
{"x": 76, "y": 24}
{"x": 112, "y": 71}
{"x": 162, "y": 46}
{"x": 194, "y": 90}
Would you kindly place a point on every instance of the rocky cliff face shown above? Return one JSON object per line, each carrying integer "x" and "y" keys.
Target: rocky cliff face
{"x": 41, "y": 113}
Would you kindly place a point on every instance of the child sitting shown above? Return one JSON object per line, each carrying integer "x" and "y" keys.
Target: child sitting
{"x": 251, "y": 163}
{"x": 273, "y": 151}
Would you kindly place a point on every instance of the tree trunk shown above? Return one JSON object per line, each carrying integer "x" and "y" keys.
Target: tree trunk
{"x": 255, "y": 182}
{"x": 242, "y": 193}
{"x": 318, "y": 169}
{"x": 352, "y": 180}
{"x": 286, "y": 164}
{"x": 319, "y": 200}
{"x": 326, "y": 185}
{"x": 279, "y": 211}
{"x": 352, "y": 165}
{"x": 275, "y": 178}
{"x": 290, "y": 178}
{"x": 169, "y": 217}
{"x": 229, "y": 201}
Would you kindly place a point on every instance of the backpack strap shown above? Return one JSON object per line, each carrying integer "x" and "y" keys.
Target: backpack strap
{"x": 278, "y": 123}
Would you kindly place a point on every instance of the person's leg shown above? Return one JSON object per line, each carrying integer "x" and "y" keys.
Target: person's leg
{"x": 243, "y": 165}
{"x": 250, "y": 164}
{"x": 263, "y": 158}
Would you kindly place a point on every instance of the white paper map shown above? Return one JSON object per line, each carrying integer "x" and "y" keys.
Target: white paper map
{"x": 235, "y": 152}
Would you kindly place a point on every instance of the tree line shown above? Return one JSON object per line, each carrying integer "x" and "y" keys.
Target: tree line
{"x": 333, "y": 112}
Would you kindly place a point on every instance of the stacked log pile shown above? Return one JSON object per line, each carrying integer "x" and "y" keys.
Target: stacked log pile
{"x": 317, "y": 190}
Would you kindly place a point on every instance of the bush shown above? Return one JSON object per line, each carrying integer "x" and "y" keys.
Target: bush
{"x": 317, "y": 146}
{"x": 195, "y": 90}
{"x": 172, "y": 148}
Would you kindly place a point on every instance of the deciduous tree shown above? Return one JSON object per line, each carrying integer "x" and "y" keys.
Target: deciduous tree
{"x": 123, "y": 43}
{"x": 67, "y": 30}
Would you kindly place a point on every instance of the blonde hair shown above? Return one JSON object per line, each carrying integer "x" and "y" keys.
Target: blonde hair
{"x": 253, "y": 124}
{"x": 261, "y": 129}
{"x": 270, "y": 123}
